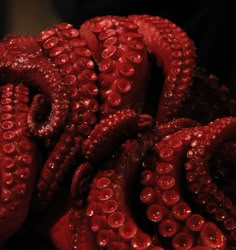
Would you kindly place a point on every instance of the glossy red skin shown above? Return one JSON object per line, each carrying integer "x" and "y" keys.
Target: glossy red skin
{"x": 167, "y": 208}
{"x": 63, "y": 44}
{"x": 96, "y": 79}
{"x": 112, "y": 131}
{"x": 175, "y": 53}
{"x": 121, "y": 56}
{"x": 36, "y": 72}
{"x": 20, "y": 159}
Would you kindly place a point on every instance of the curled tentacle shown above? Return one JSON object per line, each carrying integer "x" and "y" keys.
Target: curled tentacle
{"x": 168, "y": 208}
{"x": 66, "y": 236}
{"x": 20, "y": 159}
{"x": 105, "y": 70}
{"x": 38, "y": 72}
{"x": 175, "y": 53}
{"x": 122, "y": 61}
{"x": 111, "y": 131}
{"x": 81, "y": 181}
{"x": 19, "y": 44}
{"x": 205, "y": 192}
{"x": 108, "y": 201}
{"x": 174, "y": 125}
{"x": 63, "y": 44}
{"x": 73, "y": 230}
{"x": 40, "y": 105}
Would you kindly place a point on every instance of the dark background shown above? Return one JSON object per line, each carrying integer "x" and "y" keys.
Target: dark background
{"x": 2, "y": 18}
{"x": 209, "y": 23}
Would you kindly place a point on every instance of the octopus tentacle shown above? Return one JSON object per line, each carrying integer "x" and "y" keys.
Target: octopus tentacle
{"x": 175, "y": 53}
{"x": 122, "y": 61}
{"x": 70, "y": 53}
{"x": 88, "y": 97}
{"x": 75, "y": 222}
{"x": 110, "y": 132}
{"x": 77, "y": 236}
{"x": 83, "y": 237}
{"x": 81, "y": 181}
{"x": 40, "y": 105}
{"x": 110, "y": 215}
{"x": 63, "y": 44}
{"x": 167, "y": 208}
{"x": 174, "y": 125}
{"x": 39, "y": 73}
{"x": 20, "y": 159}
{"x": 19, "y": 44}
{"x": 205, "y": 192}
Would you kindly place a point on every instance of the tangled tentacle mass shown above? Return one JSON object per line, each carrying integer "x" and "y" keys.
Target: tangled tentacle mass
{"x": 112, "y": 137}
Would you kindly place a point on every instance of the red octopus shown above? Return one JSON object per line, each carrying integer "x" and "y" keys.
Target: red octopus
{"x": 111, "y": 137}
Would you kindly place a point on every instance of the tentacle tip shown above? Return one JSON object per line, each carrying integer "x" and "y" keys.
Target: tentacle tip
{"x": 145, "y": 121}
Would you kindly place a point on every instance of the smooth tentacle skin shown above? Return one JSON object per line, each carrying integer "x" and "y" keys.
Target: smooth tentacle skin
{"x": 122, "y": 60}
{"x": 108, "y": 201}
{"x": 111, "y": 131}
{"x": 38, "y": 72}
{"x": 75, "y": 222}
{"x": 175, "y": 52}
{"x": 62, "y": 43}
{"x": 20, "y": 159}
{"x": 68, "y": 237}
{"x": 206, "y": 193}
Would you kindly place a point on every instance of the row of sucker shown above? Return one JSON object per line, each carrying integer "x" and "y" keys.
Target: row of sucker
{"x": 163, "y": 129}
{"x": 122, "y": 61}
{"x": 38, "y": 73}
{"x": 111, "y": 131}
{"x": 206, "y": 193}
{"x": 22, "y": 44}
{"x": 20, "y": 159}
{"x": 175, "y": 52}
{"x": 62, "y": 43}
{"x": 111, "y": 217}
{"x": 110, "y": 140}
{"x": 166, "y": 205}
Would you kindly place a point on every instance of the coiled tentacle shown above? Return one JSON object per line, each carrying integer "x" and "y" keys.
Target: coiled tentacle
{"x": 174, "y": 52}
{"x": 39, "y": 73}
{"x": 20, "y": 159}
{"x": 168, "y": 208}
{"x": 75, "y": 222}
{"x": 108, "y": 205}
{"x": 205, "y": 192}
{"x": 111, "y": 131}
{"x": 63, "y": 44}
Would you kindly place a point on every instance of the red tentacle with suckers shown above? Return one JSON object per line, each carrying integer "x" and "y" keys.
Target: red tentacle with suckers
{"x": 113, "y": 137}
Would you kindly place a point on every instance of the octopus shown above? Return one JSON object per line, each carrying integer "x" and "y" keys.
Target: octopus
{"x": 112, "y": 137}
